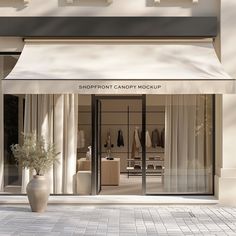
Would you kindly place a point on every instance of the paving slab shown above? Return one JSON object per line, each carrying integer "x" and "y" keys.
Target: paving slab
{"x": 118, "y": 220}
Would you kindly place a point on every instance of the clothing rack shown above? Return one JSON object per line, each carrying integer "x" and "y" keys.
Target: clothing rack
{"x": 127, "y": 124}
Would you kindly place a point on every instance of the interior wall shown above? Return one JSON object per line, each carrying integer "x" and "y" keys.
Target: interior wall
{"x": 84, "y": 100}
{"x": 102, "y": 8}
{"x": 11, "y": 44}
{"x": 115, "y": 117}
{"x": 155, "y": 100}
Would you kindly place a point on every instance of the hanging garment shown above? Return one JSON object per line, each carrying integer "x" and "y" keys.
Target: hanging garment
{"x": 162, "y": 140}
{"x": 137, "y": 137}
{"x": 108, "y": 143}
{"x": 81, "y": 139}
{"x": 148, "y": 139}
{"x": 155, "y": 138}
{"x": 120, "y": 139}
{"x": 136, "y": 143}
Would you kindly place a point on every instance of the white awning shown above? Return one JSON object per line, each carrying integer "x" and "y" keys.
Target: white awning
{"x": 113, "y": 67}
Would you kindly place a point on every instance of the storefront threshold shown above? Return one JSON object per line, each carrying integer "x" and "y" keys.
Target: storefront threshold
{"x": 117, "y": 200}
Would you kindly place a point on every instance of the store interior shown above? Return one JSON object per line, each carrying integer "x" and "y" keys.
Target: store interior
{"x": 178, "y": 148}
{"x": 121, "y": 130}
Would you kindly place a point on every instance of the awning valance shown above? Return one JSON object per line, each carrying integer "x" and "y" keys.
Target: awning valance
{"x": 118, "y": 67}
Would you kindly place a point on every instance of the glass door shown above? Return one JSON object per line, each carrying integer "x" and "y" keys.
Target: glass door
{"x": 120, "y": 169}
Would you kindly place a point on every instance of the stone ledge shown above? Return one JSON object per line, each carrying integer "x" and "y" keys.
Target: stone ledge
{"x": 117, "y": 200}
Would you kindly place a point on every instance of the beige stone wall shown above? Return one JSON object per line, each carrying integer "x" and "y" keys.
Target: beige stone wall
{"x": 101, "y": 8}
{"x": 228, "y": 36}
{"x": 225, "y": 179}
{"x": 225, "y": 45}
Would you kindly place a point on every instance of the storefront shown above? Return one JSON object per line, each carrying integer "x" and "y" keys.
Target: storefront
{"x": 145, "y": 102}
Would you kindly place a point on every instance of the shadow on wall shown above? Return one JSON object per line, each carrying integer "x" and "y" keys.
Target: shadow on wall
{"x": 84, "y": 3}
{"x": 17, "y": 4}
{"x": 170, "y": 3}
{"x": 206, "y": 8}
{"x": 228, "y": 38}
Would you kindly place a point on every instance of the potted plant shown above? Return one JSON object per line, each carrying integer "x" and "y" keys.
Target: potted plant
{"x": 35, "y": 154}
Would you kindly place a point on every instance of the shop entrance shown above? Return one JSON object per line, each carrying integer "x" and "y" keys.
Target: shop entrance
{"x": 118, "y": 145}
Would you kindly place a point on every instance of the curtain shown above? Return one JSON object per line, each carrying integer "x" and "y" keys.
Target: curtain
{"x": 188, "y": 139}
{"x": 55, "y": 117}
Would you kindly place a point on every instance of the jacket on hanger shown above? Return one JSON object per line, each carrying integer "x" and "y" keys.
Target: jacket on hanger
{"x": 137, "y": 137}
{"x": 120, "y": 139}
{"x": 162, "y": 140}
{"x": 155, "y": 138}
{"x": 148, "y": 139}
{"x": 136, "y": 143}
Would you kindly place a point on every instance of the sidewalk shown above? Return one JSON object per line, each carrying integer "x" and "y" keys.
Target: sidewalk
{"x": 118, "y": 220}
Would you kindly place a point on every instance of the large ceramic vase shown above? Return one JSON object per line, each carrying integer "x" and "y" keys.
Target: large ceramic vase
{"x": 38, "y": 193}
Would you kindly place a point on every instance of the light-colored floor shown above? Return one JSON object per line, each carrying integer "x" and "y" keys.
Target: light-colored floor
{"x": 14, "y": 189}
{"x": 71, "y": 220}
{"x": 133, "y": 186}
{"x": 128, "y": 186}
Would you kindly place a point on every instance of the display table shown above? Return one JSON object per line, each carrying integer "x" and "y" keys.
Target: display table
{"x": 84, "y": 182}
{"x": 110, "y": 170}
{"x": 84, "y": 164}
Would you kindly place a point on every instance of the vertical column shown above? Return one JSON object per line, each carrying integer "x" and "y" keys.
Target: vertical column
{"x": 226, "y": 167}
{"x": 228, "y": 36}
{"x": 1, "y": 128}
{"x": 226, "y": 161}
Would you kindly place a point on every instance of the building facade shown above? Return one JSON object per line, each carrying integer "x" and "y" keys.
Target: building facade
{"x": 101, "y": 74}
